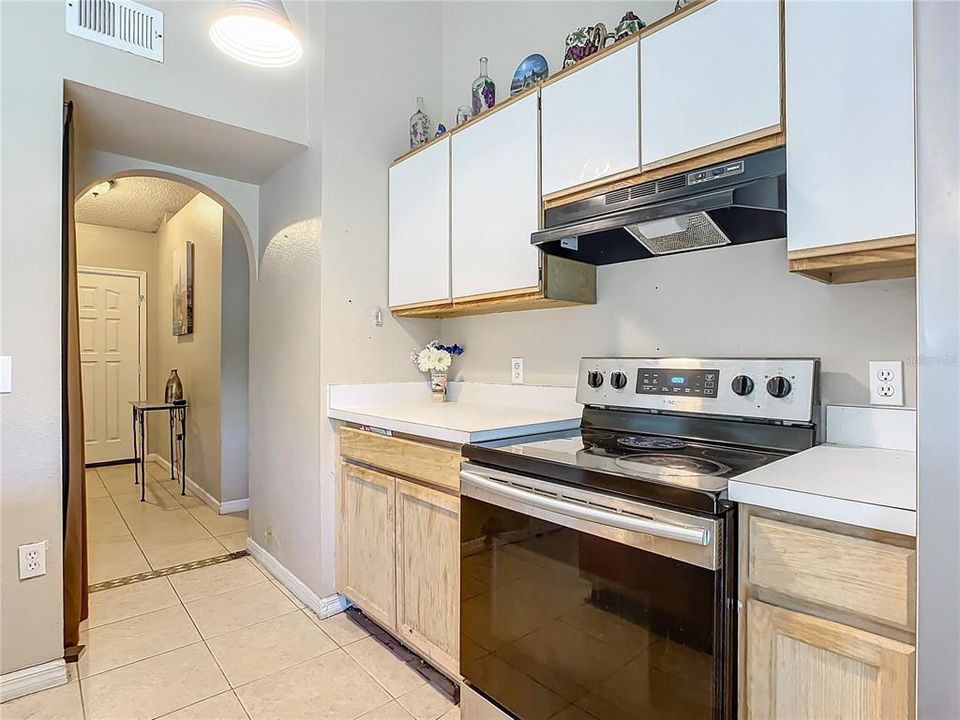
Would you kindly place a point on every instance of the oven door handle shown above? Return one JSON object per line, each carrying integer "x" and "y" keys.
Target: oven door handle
{"x": 671, "y": 531}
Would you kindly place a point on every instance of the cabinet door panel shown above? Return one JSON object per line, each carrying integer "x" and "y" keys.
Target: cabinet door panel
{"x": 801, "y": 666}
{"x": 428, "y": 572}
{"x": 708, "y": 78}
{"x": 366, "y": 560}
{"x": 590, "y": 122}
{"x": 420, "y": 227}
{"x": 850, "y": 124}
{"x": 495, "y": 202}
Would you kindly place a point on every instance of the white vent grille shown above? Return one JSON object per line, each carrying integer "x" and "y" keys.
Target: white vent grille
{"x": 122, "y": 24}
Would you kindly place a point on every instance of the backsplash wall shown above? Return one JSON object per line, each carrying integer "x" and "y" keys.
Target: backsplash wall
{"x": 737, "y": 301}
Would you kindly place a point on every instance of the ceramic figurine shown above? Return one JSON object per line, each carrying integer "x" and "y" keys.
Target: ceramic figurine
{"x": 441, "y": 129}
{"x": 419, "y": 126}
{"x": 628, "y": 25}
{"x": 483, "y": 92}
{"x": 584, "y": 42}
{"x": 532, "y": 70}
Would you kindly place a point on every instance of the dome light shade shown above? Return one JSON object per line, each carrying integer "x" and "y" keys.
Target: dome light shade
{"x": 102, "y": 188}
{"x": 257, "y": 32}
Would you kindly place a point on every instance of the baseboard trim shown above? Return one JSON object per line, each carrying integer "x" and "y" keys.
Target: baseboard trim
{"x": 32, "y": 679}
{"x": 222, "y": 508}
{"x": 323, "y": 607}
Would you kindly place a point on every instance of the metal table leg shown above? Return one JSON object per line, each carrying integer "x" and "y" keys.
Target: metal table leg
{"x": 136, "y": 457}
{"x": 143, "y": 460}
{"x": 182, "y": 414}
{"x": 173, "y": 430}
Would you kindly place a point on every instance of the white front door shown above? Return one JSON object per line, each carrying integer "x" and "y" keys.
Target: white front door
{"x": 110, "y": 334}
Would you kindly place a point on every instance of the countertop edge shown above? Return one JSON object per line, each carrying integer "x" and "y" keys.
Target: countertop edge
{"x": 462, "y": 437}
{"x": 850, "y": 512}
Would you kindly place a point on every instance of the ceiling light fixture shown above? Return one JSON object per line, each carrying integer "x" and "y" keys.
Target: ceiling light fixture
{"x": 257, "y": 32}
{"x": 103, "y": 188}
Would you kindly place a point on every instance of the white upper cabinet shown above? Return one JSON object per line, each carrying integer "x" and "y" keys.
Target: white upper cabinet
{"x": 420, "y": 227}
{"x": 712, "y": 77}
{"x": 589, "y": 122}
{"x": 850, "y": 127}
{"x": 495, "y": 201}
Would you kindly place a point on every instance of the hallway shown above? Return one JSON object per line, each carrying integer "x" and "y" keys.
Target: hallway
{"x": 127, "y": 537}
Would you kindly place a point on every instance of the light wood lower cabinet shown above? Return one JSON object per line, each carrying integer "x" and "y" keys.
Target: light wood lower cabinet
{"x": 827, "y": 627}
{"x": 428, "y": 572}
{"x": 366, "y": 570}
{"x": 801, "y": 666}
{"x": 398, "y": 540}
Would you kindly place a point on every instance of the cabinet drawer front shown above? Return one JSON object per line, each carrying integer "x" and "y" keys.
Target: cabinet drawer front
{"x": 854, "y": 574}
{"x": 437, "y": 465}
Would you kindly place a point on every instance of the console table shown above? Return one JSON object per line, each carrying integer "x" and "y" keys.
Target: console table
{"x": 178, "y": 440}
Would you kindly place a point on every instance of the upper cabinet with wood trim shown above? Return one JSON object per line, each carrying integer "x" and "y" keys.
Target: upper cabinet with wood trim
{"x": 419, "y": 246}
{"x": 709, "y": 79}
{"x": 589, "y": 120}
{"x": 495, "y": 202}
{"x": 850, "y": 139}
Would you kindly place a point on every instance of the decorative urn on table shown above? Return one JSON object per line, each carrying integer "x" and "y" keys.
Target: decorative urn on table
{"x": 173, "y": 392}
{"x": 435, "y": 359}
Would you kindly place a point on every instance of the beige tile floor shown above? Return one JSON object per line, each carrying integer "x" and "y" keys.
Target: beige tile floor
{"x": 225, "y": 642}
{"x": 126, "y": 536}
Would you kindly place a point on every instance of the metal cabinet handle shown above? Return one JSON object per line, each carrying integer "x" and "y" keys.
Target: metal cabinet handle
{"x": 683, "y": 533}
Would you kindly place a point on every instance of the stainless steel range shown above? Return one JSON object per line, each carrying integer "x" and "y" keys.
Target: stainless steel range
{"x": 598, "y": 568}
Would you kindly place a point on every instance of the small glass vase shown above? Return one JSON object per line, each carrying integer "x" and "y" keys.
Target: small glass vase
{"x": 438, "y": 386}
{"x": 419, "y": 126}
{"x": 483, "y": 92}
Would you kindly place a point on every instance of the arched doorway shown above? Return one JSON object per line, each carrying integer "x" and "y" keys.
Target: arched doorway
{"x": 156, "y": 239}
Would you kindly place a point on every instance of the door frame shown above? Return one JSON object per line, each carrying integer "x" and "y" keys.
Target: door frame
{"x": 141, "y": 276}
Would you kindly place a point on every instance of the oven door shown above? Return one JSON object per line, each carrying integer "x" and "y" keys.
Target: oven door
{"x": 577, "y": 604}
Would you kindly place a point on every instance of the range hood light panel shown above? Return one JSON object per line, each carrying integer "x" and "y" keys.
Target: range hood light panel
{"x": 659, "y": 228}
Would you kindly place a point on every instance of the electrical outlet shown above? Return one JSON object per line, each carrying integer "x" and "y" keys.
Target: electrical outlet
{"x": 516, "y": 371}
{"x": 33, "y": 560}
{"x": 886, "y": 382}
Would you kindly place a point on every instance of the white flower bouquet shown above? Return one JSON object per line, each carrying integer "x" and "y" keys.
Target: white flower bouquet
{"x": 436, "y": 359}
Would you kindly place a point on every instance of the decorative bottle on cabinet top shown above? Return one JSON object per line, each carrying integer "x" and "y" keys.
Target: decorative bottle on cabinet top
{"x": 419, "y": 126}
{"x": 483, "y": 92}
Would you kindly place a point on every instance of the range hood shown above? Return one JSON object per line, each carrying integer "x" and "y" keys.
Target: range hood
{"x": 730, "y": 203}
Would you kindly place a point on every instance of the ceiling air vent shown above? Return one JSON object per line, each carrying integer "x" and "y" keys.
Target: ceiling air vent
{"x": 121, "y": 24}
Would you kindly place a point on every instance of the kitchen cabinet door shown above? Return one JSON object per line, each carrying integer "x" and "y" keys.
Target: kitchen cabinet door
{"x": 710, "y": 79}
{"x": 495, "y": 202}
{"x": 366, "y": 559}
{"x": 850, "y": 122}
{"x": 419, "y": 254}
{"x": 589, "y": 122}
{"x": 801, "y": 666}
{"x": 428, "y": 573}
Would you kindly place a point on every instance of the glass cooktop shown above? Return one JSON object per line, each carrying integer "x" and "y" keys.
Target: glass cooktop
{"x": 660, "y": 459}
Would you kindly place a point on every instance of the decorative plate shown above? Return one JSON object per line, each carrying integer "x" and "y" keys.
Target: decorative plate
{"x": 532, "y": 70}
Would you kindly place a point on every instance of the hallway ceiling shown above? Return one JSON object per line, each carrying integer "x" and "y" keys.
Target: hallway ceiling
{"x": 134, "y": 203}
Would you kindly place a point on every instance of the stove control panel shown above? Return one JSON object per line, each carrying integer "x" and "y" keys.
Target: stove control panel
{"x": 784, "y": 389}
{"x": 678, "y": 382}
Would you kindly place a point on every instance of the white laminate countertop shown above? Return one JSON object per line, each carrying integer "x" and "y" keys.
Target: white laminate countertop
{"x": 863, "y": 486}
{"x": 474, "y": 412}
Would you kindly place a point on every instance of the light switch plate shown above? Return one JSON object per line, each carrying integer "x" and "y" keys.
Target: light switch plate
{"x": 6, "y": 373}
{"x": 886, "y": 382}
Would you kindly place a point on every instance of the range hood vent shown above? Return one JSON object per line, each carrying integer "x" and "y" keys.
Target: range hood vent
{"x": 739, "y": 201}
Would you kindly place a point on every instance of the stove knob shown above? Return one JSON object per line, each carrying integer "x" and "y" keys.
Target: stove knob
{"x": 618, "y": 380}
{"x": 778, "y": 386}
{"x": 742, "y": 385}
{"x": 594, "y": 379}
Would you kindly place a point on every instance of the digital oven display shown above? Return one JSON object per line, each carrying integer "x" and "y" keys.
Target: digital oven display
{"x": 683, "y": 383}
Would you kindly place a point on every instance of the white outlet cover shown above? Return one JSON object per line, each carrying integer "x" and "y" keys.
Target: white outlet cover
{"x": 886, "y": 382}
{"x": 516, "y": 371}
{"x": 33, "y": 560}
